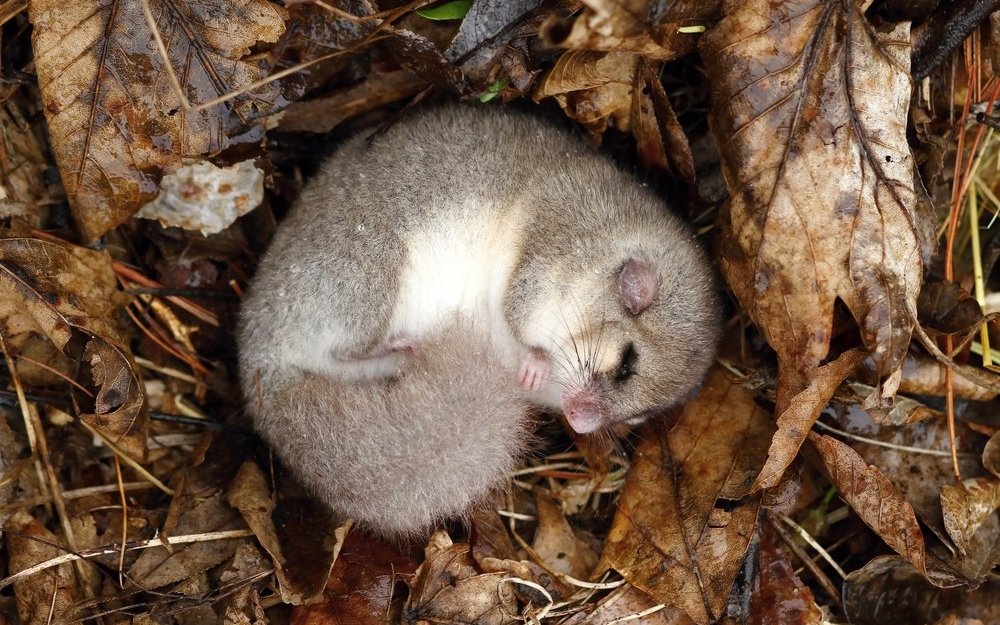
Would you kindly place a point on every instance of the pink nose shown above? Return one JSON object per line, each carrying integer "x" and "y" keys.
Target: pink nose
{"x": 583, "y": 420}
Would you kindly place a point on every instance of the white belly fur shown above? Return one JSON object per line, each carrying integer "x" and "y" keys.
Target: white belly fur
{"x": 460, "y": 266}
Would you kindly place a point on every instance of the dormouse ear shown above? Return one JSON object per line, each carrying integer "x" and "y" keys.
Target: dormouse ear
{"x": 637, "y": 284}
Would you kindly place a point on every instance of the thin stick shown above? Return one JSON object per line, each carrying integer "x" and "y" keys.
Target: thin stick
{"x": 111, "y": 549}
{"x": 817, "y": 572}
{"x": 637, "y": 615}
{"x": 121, "y": 495}
{"x": 804, "y": 535}
{"x": 878, "y": 443}
{"x": 75, "y": 494}
{"x": 22, "y": 402}
{"x": 131, "y": 274}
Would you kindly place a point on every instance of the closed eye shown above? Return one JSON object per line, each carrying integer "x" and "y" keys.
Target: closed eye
{"x": 627, "y": 363}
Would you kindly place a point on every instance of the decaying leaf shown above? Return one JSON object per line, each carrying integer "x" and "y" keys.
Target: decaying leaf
{"x": 652, "y": 29}
{"x": 28, "y": 543}
{"x": 448, "y": 589}
{"x": 249, "y": 493}
{"x": 484, "y": 22}
{"x": 669, "y": 538}
{"x": 115, "y": 118}
{"x": 361, "y": 586}
{"x": 68, "y": 296}
{"x": 802, "y": 411}
{"x": 245, "y": 607}
{"x": 873, "y": 498}
{"x": 888, "y": 591}
{"x": 967, "y": 505}
{"x": 805, "y": 89}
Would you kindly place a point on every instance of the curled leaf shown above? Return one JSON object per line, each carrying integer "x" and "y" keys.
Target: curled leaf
{"x": 802, "y": 411}
{"x": 68, "y": 296}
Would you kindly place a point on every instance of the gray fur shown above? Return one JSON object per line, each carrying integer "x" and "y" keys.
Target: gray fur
{"x": 358, "y": 264}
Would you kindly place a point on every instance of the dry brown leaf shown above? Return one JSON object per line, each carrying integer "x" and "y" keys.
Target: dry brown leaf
{"x": 967, "y": 505}
{"x": 556, "y": 543}
{"x": 249, "y": 493}
{"x": 628, "y": 602}
{"x": 244, "y": 607}
{"x": 68, "y": 297}
{"x": 873, "y": 498}
{"x": 361, "y": 585}
{"x": 158, "y": 566}
{"x": 29, "y": 543}
{"x": 945, "y": 307}
{"x": 810, "y": 106}
{"x": 668, "y": 537}
{"x": 593, "y": 88}
{"x": 449, "y": 590}
{"x": 116, "y": 121}
{"x": 778, "y": 596}
{"x": 919, "y": 477}
{"x": 795, "y": 422}
{"x": 640, "y": 26}
{"x": 889, "y": 591}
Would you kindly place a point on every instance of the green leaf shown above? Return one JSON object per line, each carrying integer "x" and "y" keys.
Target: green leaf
{"x": 493, "y": 90}
{"x": 454, "y": 10}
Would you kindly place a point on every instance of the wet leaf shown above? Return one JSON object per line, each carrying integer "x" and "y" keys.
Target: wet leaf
{"x": 448, "y": 589}
{"x": 967, "y": 505}
{"x": 888, "y": 590}
{"x": 778, "y": 596}
{"x": 803, "y": 89}
{"x": 873, "y": 498}
{"x": 68, "y": 297}
{"x": 28, "y": 543}
{"x": 249, "y": 493}
{"x": 360, "y": 588}
{"x": 670, "y": 537}
{"x": 646, "y": 27}
{"x": 797, "y": 419}
{"x": 629, "y": 601}
{"x": 116, "y": 122}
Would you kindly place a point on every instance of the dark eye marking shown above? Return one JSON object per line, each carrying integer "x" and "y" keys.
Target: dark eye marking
{"x": 627, "y": 363}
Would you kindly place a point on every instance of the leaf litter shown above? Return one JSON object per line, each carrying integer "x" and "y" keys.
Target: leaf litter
{"x": 817, "y": 447}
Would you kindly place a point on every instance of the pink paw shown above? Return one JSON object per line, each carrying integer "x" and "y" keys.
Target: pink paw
{"x": 534, "y": 370}
{"x": 401, "y": 344}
